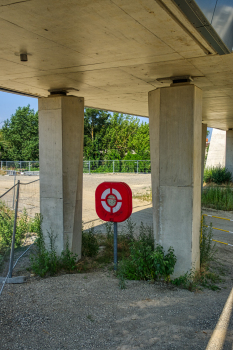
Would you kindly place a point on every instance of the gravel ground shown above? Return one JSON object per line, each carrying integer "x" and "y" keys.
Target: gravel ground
{"x": 89, "y": 311}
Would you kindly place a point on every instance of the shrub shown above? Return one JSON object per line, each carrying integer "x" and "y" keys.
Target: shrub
{"x": 146, "y": 262}
{"x": 217, "y": 175}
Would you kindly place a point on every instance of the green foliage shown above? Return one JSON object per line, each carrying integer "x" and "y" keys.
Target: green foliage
{"x": 217, "y": 175}
{"x": 90, "y": 245}
{"x": 24, "y": 225}
{"x": 46, "y": 261}
{"x": 20, "y": 136}
{"x": 112, "y": 137}
{"x": 106, "y": 137}
{"x": 7, "y": 223}
{"x": 217, "y": 198}
{"x": 146, "y": 262}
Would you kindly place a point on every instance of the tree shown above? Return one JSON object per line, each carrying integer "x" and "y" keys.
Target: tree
{"x": 20, "y": 135}
{"x": 95, "y": 125}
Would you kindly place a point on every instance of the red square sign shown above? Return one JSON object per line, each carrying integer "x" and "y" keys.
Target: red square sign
{"x": 113, "y": 201}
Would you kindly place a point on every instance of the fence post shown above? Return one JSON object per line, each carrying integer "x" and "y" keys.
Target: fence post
{"x": 14, "y": 231}
{"x": 113, "y": 167}
{"x": 1, "y": 164}
{"x": 89, "y": 167}
{"x": 137, "y": 166}
{"x": 29, "y": 166}
{"x": 14, "y": 190}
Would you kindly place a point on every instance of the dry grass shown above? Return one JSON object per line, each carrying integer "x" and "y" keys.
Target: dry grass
{"x": 147, "y": 196}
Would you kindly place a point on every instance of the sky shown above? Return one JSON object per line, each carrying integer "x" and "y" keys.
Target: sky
{"x": 10, "y": 102}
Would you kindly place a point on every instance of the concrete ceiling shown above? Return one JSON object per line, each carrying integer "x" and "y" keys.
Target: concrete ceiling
{"x": 112, "y": 52}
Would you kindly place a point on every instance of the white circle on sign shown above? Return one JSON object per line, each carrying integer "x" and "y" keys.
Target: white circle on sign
{"x": 111, "y": 200}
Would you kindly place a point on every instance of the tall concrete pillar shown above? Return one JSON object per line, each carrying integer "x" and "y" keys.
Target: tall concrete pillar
{"x": 204, "y": 131}
{"x": 61, "y": 129}
{"x": 229, "y": 151}
{"x": 175, "y": 115}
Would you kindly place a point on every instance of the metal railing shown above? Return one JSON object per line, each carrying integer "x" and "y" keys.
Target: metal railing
{"x": 117, "y": 166}
{"x": 20, "y": 165}
{"x": 89, "y": 166}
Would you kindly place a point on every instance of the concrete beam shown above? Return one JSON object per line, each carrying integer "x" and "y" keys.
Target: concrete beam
{"x": 176, "y": 135}
{"x": 61, "y": 124}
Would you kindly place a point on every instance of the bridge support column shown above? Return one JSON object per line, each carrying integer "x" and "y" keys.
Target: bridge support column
{"x": 204, "y": 131}
{"x": 229, "y": 151}
{"x": 175, "y": 117}
{"x": 61, "y": 129}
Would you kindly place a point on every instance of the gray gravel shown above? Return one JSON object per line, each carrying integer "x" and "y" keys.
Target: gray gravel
{"x": 89, "y": 311}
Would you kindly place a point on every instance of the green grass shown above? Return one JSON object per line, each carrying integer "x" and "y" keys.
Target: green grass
{"x": 217, "y": 198}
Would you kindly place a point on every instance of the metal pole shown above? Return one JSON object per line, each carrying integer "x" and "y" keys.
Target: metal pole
{"x": 113, "y": 166}
{"x": 115, "y": 246}
{"x": 137, "y": 166}
{"x": 14, "y": 191}
{"x": 29, "y": 166}
{"x": 14, "y": 231}
{"x": 89, "y": 167}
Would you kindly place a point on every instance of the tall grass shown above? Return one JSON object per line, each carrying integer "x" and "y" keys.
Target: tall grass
{"x": 217, "y": 198}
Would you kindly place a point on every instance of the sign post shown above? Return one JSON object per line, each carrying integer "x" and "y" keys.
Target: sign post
{"x": 113, "y": 202}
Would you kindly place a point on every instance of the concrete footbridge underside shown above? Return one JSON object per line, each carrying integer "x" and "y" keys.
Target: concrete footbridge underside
{"x": 168, "y": 60}
{"x": 112, "y": 53}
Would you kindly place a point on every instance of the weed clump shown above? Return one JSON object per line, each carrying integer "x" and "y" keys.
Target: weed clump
{"x": 90, "y": 245}
{"x": 47, "y": 261}
{"x": 205, "y": 277}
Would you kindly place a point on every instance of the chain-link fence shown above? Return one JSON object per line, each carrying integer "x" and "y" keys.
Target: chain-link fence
{"x": 89, "y": 166}
{"x": 15, "y": 222}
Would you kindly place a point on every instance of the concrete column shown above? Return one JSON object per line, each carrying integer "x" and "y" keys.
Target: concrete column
{"x": 175, "y": 115}
{"x": 229, "y": 151}
{"x": 61, "y": 129}
{"x": 204, "y": 131}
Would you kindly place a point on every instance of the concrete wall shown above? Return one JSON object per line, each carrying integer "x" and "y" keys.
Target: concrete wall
{"x": 176, "y": 138}
{"x": 229, "y": 151}
{"x": 217, "y": 149}
{"x": 61, "y": 124}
